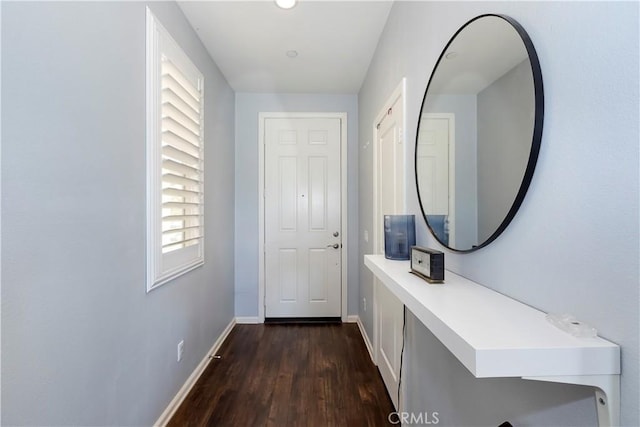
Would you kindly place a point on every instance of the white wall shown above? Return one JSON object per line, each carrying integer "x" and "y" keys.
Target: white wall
{"x": 574, "y": 245}
{"x": 248, "y": 105}
{"x": 82, "y": 343}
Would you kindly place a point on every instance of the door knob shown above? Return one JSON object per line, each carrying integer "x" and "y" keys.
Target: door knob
{"x": 336, "y": 234}
{"x": 334, "y": 246}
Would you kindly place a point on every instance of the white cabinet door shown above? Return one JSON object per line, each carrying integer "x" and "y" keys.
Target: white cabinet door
{"x": 390, "y": 337}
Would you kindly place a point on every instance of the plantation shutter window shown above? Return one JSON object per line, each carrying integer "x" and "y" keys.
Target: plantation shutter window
{"x": 175, "y": 166}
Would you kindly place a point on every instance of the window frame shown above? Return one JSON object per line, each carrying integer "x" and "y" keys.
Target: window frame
{"x": 164, "y": 266}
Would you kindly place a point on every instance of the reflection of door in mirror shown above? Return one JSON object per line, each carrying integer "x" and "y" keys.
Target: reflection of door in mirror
{"x": 436, "y": 154}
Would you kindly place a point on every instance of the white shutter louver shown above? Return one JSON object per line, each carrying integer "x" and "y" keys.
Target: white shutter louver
{"x": 182, "y": 197}
{"x": 175, "y": 158}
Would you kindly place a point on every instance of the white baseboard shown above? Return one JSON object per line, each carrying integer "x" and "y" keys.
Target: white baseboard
{"x": 353, "y": 318}
{"x": 366, "y": 339}
{"x": 248, "y": 320}
{"x": 188, "y": 385}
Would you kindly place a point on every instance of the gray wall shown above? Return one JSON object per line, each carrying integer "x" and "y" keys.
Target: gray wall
{"x": 582, "y": 204}
{"x": 506, "y": 109}
{"x": 248, "y": 105}
{"x": 82, "y": 343}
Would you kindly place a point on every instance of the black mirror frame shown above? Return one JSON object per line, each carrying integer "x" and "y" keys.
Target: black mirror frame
{"x": 536, "y": 137}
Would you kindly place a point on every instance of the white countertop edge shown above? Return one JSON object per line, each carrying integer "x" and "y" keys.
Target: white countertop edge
{"x": 521, "y": 341}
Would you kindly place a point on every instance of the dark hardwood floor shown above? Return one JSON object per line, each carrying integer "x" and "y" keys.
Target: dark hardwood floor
{"x": 289, "y": 375}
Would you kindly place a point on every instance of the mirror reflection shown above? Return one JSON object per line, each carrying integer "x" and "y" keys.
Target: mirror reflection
{"x": 476, "y": 133}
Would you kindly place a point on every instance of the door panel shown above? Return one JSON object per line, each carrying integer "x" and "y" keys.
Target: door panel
{"x": 288, "y": 271}
{"x": 387, "y": 174}
{"x": 318, "y": 275}
{"x": 390, "y": 327}
{"x": 288, "y": 173}
{"x": 302, "y": 213}
{"x": 318, "y": 193}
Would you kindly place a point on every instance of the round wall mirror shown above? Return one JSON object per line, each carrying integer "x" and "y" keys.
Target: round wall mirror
{"x": 479, "y": 132}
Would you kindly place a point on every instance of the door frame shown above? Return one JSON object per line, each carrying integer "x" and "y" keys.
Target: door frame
{"x": 399, "y": 93}
{"x": 343, "y": 201}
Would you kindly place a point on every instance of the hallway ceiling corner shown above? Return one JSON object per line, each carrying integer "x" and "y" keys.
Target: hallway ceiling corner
{"x": 252, "y": 42}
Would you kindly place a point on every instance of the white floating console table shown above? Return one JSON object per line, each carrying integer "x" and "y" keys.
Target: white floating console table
{"x": 496, "y": 336}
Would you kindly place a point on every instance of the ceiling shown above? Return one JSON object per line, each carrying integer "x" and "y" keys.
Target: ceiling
{"x": 249, "y": 41}
{"x": 482, "y": 53}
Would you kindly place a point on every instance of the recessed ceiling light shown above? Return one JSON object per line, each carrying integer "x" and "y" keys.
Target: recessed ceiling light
{"x": 451, "y": 55}
{"x": 286, "y": 4}
{"x": 292, "y": 53}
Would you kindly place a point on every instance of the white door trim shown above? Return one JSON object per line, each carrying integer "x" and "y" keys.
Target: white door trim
{"x": 399, "y": 92}
{"x": 397, "y": 96}
{"x": 343, "y": 188}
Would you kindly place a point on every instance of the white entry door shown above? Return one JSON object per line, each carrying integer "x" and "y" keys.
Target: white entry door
{"x": 303, "y": 241}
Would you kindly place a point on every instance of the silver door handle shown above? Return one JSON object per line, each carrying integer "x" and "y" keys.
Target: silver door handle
{"x": 334, "y": 246}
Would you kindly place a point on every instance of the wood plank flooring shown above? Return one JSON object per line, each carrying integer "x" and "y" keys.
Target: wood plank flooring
{"x": 289, "y": 375}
